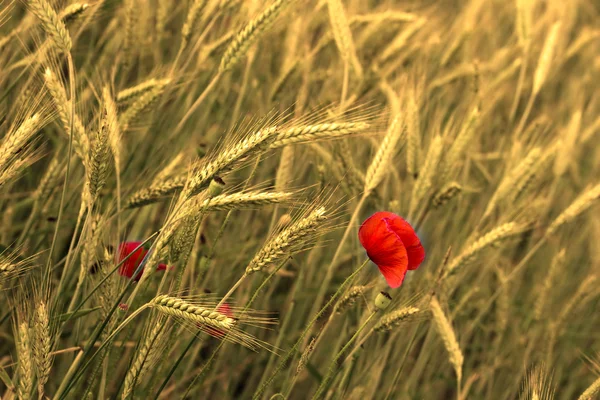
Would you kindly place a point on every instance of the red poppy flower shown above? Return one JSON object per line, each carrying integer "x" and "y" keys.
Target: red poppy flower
{"x": 218, "y": 333}
{"x": 130, "y": 265}
{"x": 392, "y": 244}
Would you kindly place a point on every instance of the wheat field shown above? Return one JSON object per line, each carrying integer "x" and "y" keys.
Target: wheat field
{"x": 183, "y": 186}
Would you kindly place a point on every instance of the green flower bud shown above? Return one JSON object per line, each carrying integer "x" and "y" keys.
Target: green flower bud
{"x": 383, "y": 300}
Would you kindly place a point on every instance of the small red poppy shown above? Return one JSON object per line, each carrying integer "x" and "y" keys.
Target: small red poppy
{"x": 392, "y": 244}
{"x": 218, "y": 333}
{"x": 137, "y": 256}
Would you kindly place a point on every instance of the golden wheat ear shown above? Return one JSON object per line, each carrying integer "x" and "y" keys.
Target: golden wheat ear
{"x": 222, "y": 322}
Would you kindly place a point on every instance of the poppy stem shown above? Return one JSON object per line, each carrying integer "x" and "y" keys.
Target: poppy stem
{"x": 331, "y": 269}
{"x": 296, "y": 346}
{"x": 333, "y": 367}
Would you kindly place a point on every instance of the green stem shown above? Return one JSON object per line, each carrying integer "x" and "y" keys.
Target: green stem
{"x": 333, "y": 367}
{"x": 293, "y": 350}
{"x": 338, "y": 252}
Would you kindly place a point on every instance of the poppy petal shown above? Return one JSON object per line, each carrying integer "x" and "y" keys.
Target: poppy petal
{"x": 414, "y": 248}
{"x": 393, "y": 275}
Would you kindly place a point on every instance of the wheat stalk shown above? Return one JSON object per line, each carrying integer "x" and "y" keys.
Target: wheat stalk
{"x": 141, "y": 103}
{"x": 245, "y": 38}
{"x": 349, "y": 298}
{"x": 41, "y": 345}
{"x": 542, "y": 297}
{"x": 52, "y": 23}
{"x": 448, "y": 337}
{"x": 143, "y": 358}
{"x": 445, "y": 194}
{"x": 382, "y": 159}
{"x": 582, "y": 203}
{"x": 310, "y": 133}
{"x": 490, "y": 239}
{"x": 591, "y": 392}
{"x": 546, "y": 58}
{"x": 226, "y": 159}
{"x": 289, "y": 240}
{"x": 425, "y": 181}
{"x": 73, "y": 11}
{"x": 25, "y": 368}
{"x": 244, "y": 199}
{"x": 134, "y": 92}
{"x": 98, "y": 160}
{"x": 396, "y": 318}
{"x": 343, "y": 35}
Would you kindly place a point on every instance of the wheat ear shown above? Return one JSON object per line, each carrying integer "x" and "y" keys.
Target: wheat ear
{"x": 156, "y": 192}
{"x": 134, "y": 92}
{"x": 343, "y": 35}
{"x": 41, "y": 345}
{"x": 191, "y": 19}
{"x": 287, "y": 241}
{"x": 73, "y": 11}
{"x": 413, "y": 139}
{"x": 141, "y": 104}
{"x": 25, "y": 367}
{"x": 591, "y": 392}
{"x": 546, "y": 58}
{"x": 349, "y": 299}
{"x": 57, "y": 92}
{"x": 448, "y": 337}
{"x": 98, "y": 161}
{"x": 542, "y": 297}
{"x": 244, "y": 199}
{"x": 445, "y": 194}
{"x": 490, "y": 239}
{"x": 142, "y": 358}
{"x": 396, "y": 318}
{"x": 226, "y": 159}
{"x": 425, "y": 181}
{"x": 240, "y": 44}
{"x": 582, "y": 203}
{"x": 52, "y": 23}
{"x": 310, "y": 133}
{"x": 383, "y": 157}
